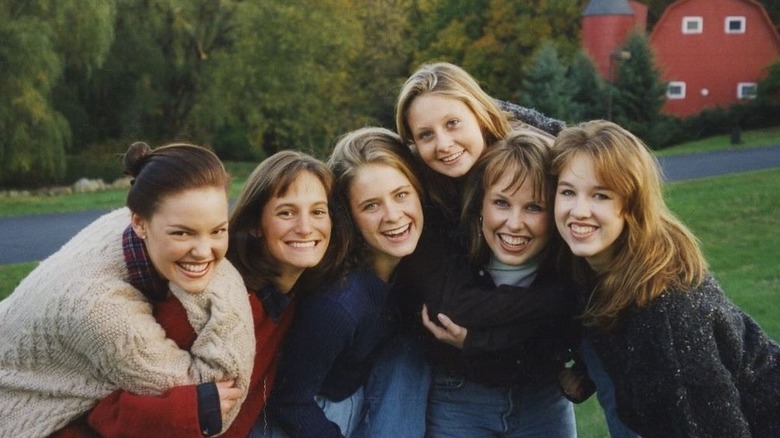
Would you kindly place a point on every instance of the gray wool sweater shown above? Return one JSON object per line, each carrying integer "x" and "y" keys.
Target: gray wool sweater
{"x": 531, "y": 117}
{"x": 692, "y": 364}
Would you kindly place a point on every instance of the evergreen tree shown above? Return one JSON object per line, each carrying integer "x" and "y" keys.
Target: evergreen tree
{"x": 546, "y": 87}
{"x": 494, "y": 40}
{"x": 769, "y": 87}
{"x": 589, "y": 100}
{"x": 638, "y": 92}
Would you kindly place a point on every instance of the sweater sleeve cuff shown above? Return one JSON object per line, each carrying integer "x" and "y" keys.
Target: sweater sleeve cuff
{"x": 476, "y": 342}
{"x": 209, "y": 412}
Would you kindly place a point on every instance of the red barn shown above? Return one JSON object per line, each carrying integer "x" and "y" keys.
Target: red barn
{"x": 712, "y": 52}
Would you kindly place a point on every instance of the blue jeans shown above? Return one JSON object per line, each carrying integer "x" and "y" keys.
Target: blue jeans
{"x": 347, "y": 414}
{"x": 397, "y": 391}
{"x": 605, "y": 391}
{"x": 460, "y": 408}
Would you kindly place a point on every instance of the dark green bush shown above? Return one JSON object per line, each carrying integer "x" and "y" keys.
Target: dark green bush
{"x": 105, "y": 166}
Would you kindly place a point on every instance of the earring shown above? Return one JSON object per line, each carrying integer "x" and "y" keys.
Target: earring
{"x": 479, "y": 232}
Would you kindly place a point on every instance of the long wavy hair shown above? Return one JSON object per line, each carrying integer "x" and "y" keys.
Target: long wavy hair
{"x": 656, "y": 251}
{"x": 449, "y": 80}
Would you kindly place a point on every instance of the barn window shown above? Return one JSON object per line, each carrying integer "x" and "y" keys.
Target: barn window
{"x": 692, "y": 25}
{"x": 747, "y": 90}
{"x": 735, "y": 25}
{"x": 675, "y": 90}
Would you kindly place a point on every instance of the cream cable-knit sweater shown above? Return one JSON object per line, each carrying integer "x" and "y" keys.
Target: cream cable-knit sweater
{"x": 75, "y": 330}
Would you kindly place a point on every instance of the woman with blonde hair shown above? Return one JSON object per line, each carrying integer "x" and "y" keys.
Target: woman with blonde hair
{"x": 512, "y": 389}
{"x": 449, "y": 120}
{"x": 670, "y": 354}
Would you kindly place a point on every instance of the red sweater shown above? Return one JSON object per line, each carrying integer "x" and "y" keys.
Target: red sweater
{"x": 175, "y": 412}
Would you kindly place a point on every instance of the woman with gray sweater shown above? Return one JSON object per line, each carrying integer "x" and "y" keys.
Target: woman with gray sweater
{"x": 671, "y": 356}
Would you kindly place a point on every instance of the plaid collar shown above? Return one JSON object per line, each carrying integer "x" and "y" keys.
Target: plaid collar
{"x": 274, "y": 301}
{"x": 142, "y": 274}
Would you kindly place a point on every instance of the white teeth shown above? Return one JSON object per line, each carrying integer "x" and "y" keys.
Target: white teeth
{"x": 452, "y": 157}
{"x": 582, "y": 229}
{"x": 307, "y": 244}
{"x": 398, "y": 231}
{"x": 514, "y": 240}
{"x": 195, "y": 268}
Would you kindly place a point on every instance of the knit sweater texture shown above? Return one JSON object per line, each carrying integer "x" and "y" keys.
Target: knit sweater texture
{"x": 175, "y": 413}
{"x": 531, "y": 117}
{"x": 75, "y": 330}
{"x": 692, "y": 364}
{"x": 516, "y": 335}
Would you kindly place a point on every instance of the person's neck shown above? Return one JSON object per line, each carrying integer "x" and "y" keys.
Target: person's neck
{"x": 286, "y": 281}
{"x": 384, "y": 267}
{"x": 600, "y": 262}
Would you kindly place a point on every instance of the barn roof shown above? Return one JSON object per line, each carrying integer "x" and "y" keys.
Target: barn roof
{"x": 608, "y": 7}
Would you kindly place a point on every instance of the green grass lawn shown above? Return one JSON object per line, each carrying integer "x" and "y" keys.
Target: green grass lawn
{"x": 750, "y": 139}
{"x": 736, "y": 220}
{"x": 103, "y": 200}
{"x": 11, "y": 275}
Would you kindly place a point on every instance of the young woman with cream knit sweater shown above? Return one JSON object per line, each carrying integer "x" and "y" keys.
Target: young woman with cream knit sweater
{"x": 82, "y": 324}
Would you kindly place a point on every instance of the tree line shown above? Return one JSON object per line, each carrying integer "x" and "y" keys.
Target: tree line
{"x": 251, "y": 77}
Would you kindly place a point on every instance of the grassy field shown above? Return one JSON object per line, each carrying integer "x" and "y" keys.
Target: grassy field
{"x": 104, "y": 200}
{"x": 734, "y": 216}
{"x": 750, "y": 139}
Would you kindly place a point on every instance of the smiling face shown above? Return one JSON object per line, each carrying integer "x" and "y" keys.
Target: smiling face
{"x": 446, "y": 133}
{"x": 386, "y": 209}
{"x": 296, "y": 227}
{"x": 514, "y": 221}
{"x": 588, "y": 215}
{"x": 186, "y": 237}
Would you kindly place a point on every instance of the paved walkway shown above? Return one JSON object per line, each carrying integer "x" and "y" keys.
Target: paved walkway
{"x": 694, "y": 166}
{"x": 30, "y": 238}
